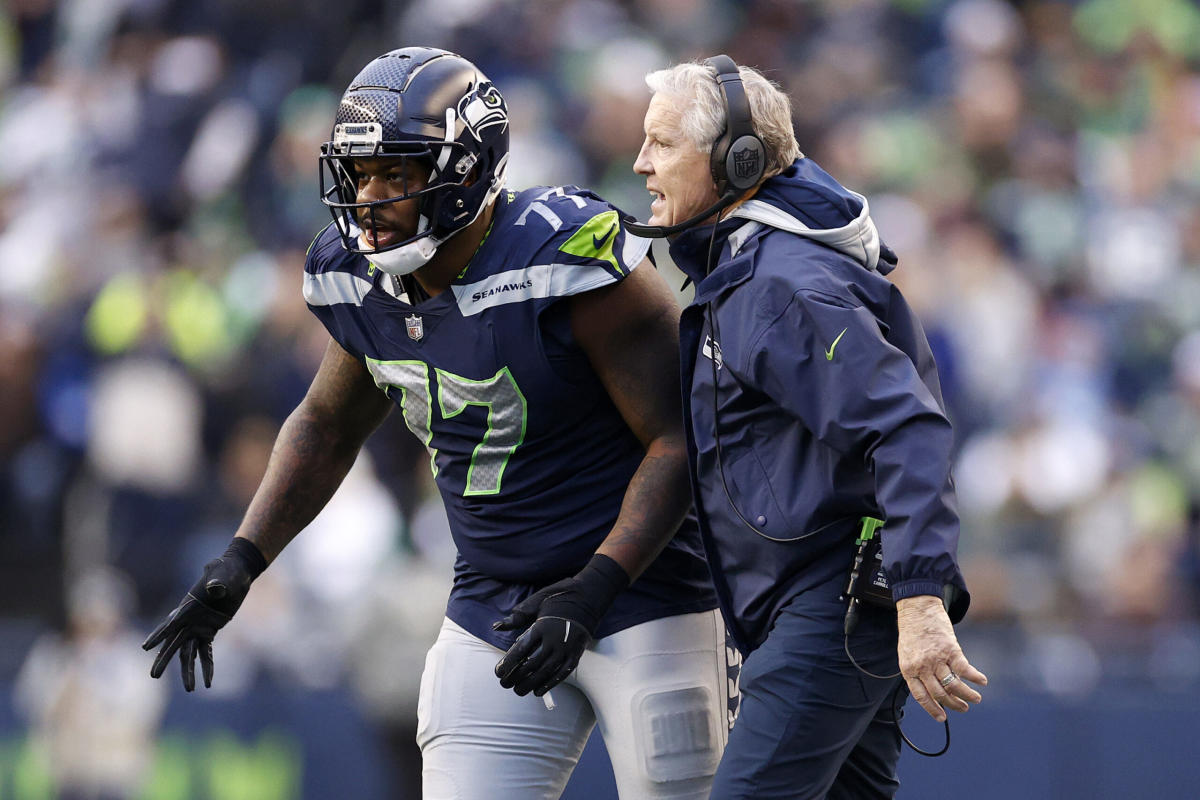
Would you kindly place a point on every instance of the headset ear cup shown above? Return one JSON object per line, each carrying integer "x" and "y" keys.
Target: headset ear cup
{"x": 745, "y": 162}
{"x": 738, "y": 159}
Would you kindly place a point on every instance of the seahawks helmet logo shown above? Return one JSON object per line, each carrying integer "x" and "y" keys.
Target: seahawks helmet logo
{"x": 482, "y": 109}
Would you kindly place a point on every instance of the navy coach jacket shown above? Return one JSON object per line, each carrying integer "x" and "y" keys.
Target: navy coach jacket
{"x": 827, "y": 401}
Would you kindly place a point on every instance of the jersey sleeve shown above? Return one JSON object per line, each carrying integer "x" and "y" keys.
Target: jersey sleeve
{"x": 590, "y": 247}
{"x": 334, "y": 290}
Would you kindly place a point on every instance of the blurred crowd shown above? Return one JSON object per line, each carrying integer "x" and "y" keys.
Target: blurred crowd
{"x": 1035, "y": 164}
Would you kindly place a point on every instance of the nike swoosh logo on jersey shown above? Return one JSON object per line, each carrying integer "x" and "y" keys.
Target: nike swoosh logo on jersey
{"x": 829, "y": 352}
{"x": 599, "y": 242}
{"x": 567, "y": 632}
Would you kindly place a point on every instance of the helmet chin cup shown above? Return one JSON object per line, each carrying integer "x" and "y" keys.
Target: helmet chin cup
{"x": 406, "y": 259}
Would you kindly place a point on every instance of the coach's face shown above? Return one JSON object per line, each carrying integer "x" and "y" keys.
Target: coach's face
{"x": 677, "y": 172}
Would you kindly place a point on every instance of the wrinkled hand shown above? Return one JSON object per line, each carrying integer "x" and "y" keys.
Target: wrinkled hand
{"x": 208, "y": 605}
{"x": 561, "y": 619}
{"x": 929, "y": 652}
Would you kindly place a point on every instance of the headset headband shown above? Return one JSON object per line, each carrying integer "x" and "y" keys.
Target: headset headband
{"x": 738, "y": 156}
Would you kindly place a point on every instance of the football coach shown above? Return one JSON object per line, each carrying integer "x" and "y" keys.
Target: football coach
{"x": 817, "y": 432}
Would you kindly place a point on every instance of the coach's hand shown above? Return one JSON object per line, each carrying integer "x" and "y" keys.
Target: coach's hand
{"x": 204, "y": 610}
{"x": 931, "y": 660}
{"x": 561, "y": 619}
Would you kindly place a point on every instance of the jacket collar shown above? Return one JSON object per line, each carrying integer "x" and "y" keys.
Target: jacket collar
{"x": 690, "y": 251}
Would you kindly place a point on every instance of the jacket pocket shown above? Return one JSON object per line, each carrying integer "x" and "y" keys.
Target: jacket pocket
{"x": 753, "y": 496}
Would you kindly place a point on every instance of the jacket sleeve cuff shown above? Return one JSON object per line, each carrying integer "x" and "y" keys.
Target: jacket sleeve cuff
{"x": 917, "y": 586}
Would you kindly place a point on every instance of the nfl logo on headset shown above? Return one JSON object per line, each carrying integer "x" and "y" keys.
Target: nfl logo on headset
{"x": 745, "y": 162}
{"x": 416, "y": 328}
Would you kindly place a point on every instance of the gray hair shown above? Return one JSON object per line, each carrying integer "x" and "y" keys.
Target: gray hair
{"x": 703, "y": 118}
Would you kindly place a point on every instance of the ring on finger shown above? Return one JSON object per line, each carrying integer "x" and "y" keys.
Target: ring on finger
{"x": 949, "y": 679}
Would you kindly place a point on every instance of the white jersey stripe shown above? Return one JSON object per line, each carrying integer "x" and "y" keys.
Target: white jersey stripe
{"x": 635, "y": 250}
{"x": 331, "y": 288}
{"x": 533, "y": 282}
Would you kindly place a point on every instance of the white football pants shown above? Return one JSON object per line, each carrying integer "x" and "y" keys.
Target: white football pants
{"x": 660, "y": 692}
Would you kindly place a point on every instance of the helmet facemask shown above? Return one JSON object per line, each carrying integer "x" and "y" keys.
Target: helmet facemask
{"x": 448, "y": 167}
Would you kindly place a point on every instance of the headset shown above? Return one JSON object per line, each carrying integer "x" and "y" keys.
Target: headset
{"x": 738, "y": 159}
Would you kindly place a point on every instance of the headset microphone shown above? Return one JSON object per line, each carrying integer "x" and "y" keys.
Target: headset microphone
{"x": 738, "y": 159}
{"x": 660, "y": 231}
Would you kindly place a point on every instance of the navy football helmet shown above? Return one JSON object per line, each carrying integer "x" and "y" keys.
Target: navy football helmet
{"x": 432, "y": 106}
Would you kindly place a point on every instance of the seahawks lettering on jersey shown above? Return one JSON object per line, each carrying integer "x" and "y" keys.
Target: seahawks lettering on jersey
{"x": 527, "y": 449}
{"x": 524, "y": 284}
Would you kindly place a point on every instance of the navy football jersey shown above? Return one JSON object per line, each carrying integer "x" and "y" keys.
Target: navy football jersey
{"x": 530, "y": 455}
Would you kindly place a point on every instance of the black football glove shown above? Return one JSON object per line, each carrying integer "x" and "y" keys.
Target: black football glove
{"x": 561, "y": 619}
{"x": 204, "y": 610}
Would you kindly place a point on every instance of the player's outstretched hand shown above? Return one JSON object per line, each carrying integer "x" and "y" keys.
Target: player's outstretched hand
{"x": 208, "y": 605}
{"x": 561, "y": 619}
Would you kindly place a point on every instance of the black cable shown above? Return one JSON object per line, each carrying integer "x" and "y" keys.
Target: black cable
{"x": 895, "y": 698}
{"x": 861, "y": 668}
{"x": 900, "y": 730}
{"x": 714, "y": 337}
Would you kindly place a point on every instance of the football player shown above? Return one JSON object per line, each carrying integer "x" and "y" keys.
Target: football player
{"x": 533, "y": 349}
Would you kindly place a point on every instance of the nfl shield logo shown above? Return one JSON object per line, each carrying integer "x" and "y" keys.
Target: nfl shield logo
{"x": 745, "y": 162}
{"x": 416, "y": 329}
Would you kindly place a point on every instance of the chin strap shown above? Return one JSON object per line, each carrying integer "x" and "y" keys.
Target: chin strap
{"x": 406, "y": 259}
